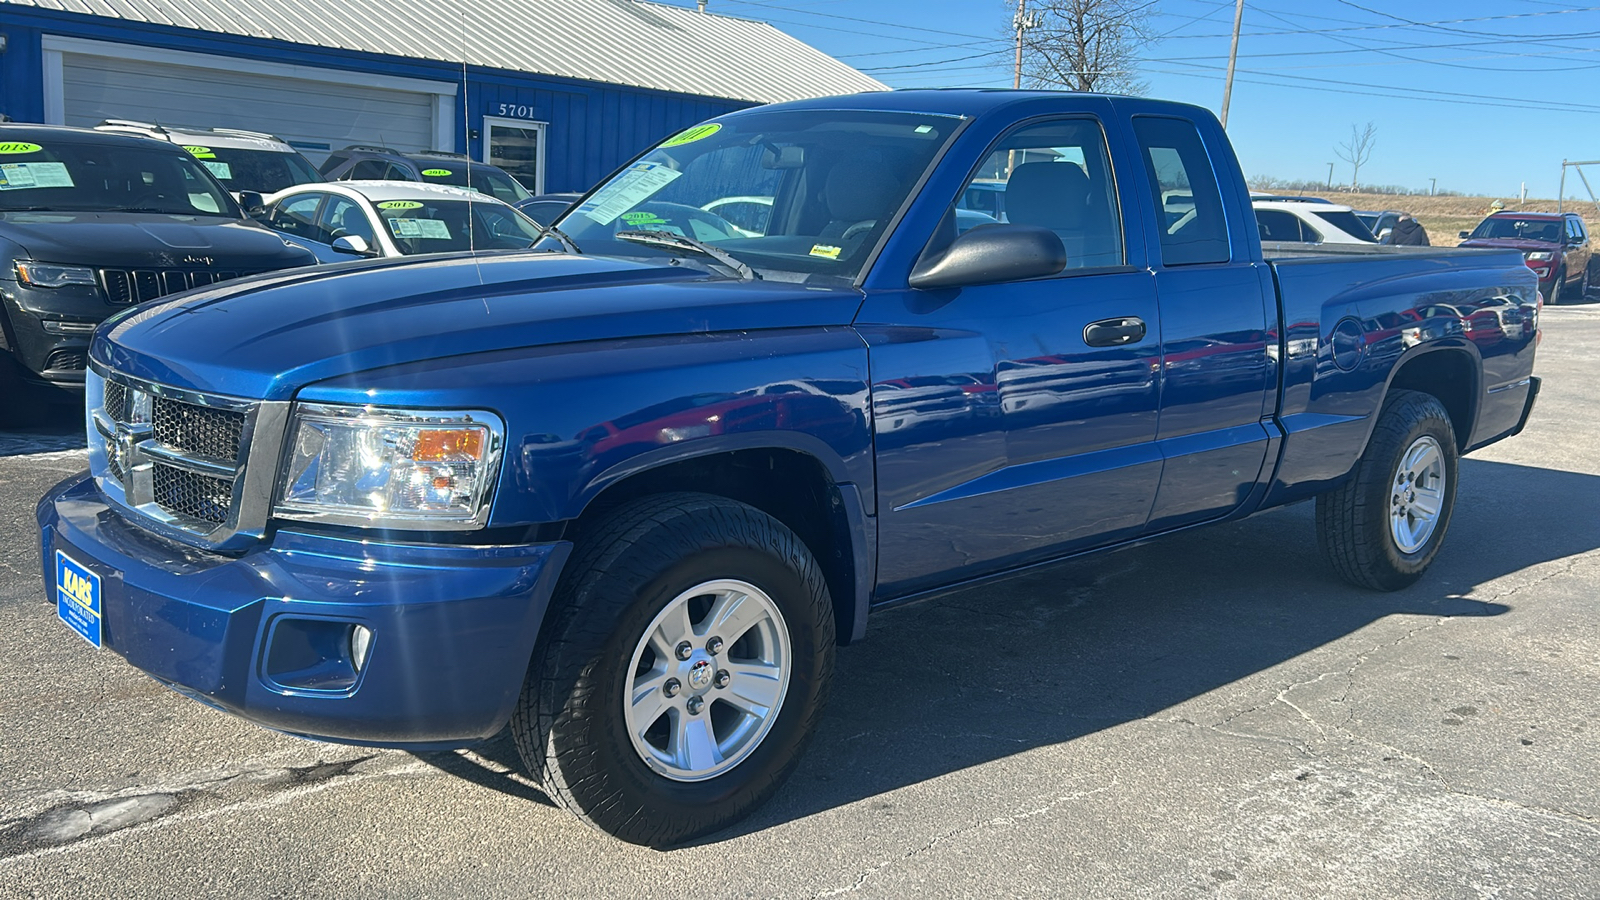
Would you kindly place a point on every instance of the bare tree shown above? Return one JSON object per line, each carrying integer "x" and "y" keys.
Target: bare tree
{"x": 1358, "y": 151}
{"x": 1087, "y": 45}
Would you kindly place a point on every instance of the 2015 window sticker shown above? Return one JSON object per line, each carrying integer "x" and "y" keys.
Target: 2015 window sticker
{"x": 400, "y": 204}
{"x": 437, "y": 173}
{"x": 201, "y": 152}
{"x": 697, "y": 133}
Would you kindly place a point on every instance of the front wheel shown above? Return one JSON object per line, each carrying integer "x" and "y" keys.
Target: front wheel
{"x": 1383, "y": 526}
{"x": 684, "y": 665}
{"x": 1557, "y": 288}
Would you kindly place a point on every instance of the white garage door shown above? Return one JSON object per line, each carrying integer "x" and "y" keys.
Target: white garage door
{"x": 315, "y": 116}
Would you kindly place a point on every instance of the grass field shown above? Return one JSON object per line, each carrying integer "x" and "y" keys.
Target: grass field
{"x": 1444, "y": 217}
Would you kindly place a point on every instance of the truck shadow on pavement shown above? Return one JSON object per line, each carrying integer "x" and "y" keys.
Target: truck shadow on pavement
{"x": 1043, "y": 659}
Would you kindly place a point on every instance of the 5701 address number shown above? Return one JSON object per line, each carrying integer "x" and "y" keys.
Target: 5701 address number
{"x": 516, "y": 111}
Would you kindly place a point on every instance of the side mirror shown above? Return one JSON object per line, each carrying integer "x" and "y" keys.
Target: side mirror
{"x": 991, "y": 254}
{"x": 353, "y": 244}
{"x": 1463, "y": 234}
{"x": 252, "y": 203}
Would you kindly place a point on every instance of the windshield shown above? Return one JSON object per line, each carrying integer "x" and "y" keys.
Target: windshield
{"x": 84, "y": 177}
{"x": 436, "y": 226}
{"x": 264, "y": 171}
{"x": 795, "y": 195}
{"x": 484, "y": 179}
{"x": 1524, "y": 229}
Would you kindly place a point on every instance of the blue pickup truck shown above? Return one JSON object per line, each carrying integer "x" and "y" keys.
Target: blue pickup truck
{"x": 626, "y": 491}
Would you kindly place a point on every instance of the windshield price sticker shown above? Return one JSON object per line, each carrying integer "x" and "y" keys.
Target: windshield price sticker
{"x": 201, "y": 152}
{"x": 19, "y": 147}
{"x": 400, "y": 204}
{"x": 220, "y": 169}
{"x": 437, "y": 173}
{"x": 628, "y": 190}
{"x": 428, "y": 229}
{"x": 34, "y": 175}
{"x": 697, "y": 133}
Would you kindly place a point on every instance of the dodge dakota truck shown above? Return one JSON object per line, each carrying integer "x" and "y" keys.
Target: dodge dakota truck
{"x": 625, "y": 492}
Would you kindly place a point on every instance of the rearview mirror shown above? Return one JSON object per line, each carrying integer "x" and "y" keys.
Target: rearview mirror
{"x": 353, "y": 244}
{"x": 991, "y": 254}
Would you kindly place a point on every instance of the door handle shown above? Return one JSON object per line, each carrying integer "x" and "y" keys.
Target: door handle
{"x": 1114, "y": 332}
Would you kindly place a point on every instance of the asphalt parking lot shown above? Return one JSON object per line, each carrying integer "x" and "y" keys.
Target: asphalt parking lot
{"x": 1212, "y": 715}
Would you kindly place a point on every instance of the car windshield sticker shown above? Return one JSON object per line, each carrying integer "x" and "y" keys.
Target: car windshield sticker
{"x": 34, "y": 175}
{"x": 437, "y": 173}
{"x": 19, "y": 147}
{"x": 201, "y": 152}
{"x": 697, "y": 133}
{"x": 400, "y": 204}
{"x": 628, "y": 190}
{"x": 220, "y": 169}
{"x": 641, "y": 219}
{"x": 420, "y": 228}
{"x": 825, "y": 251}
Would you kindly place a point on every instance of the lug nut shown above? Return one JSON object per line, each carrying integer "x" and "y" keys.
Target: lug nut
{"x": 695, "y": 705}
{"x": 723, "y": 678}
{"x": 672, "y": 687}
{"x": 685, "y": 650}
{"x": 714, "y": 646}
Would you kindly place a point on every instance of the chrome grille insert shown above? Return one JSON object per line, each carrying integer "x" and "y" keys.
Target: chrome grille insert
{"x": 178, "y": 461}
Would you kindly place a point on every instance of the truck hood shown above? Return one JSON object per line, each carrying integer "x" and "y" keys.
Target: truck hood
{"x": 144, "y": 240}
{"x": 266, "y": 337}
{"x": 1523, "y": 244}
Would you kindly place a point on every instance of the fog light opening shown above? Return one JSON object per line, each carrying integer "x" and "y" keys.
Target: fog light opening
{"x": 360, "y": 643}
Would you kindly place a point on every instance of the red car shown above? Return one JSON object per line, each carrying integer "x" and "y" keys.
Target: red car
{"x": 1556, "y": 246}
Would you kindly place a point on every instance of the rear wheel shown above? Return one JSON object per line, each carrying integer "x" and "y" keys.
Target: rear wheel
{"x": 1383, "y": 527}
{"x": 681, "y": 671}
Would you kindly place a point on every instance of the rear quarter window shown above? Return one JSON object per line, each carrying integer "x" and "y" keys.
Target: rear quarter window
{"x": 1176, "y": 163}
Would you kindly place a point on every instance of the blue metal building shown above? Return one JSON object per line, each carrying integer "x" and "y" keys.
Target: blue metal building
{"x": 560, "y": 92}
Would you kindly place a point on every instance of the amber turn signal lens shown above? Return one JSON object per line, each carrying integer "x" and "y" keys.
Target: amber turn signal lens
{"x": 440, "y": 445}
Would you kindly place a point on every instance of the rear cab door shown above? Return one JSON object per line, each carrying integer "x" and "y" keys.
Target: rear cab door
{"x": 1218, "y": 312}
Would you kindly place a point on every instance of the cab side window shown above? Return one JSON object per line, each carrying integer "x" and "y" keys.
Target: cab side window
{"x": 1277, "y": 225}
{"x": 1054, "y": 175}
{"x": 298, "y": 216}
{"x": 1176, "y": 164}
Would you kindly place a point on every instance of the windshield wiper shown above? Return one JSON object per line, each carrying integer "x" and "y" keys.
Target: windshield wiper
{"x": 551, "y": 230}
{"x": 150, "y": 209}
{"x": 684, "y": 242}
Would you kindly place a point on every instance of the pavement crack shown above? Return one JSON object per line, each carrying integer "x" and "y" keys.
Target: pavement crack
{"x": 995, "y": 822}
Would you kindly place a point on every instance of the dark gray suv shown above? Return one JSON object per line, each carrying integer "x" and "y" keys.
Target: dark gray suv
{"x": 370, "y": 163}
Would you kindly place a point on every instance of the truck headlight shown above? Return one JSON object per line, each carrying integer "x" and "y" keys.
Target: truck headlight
{"x": 1539, "y": 254}
{"x": 390, "y": 468}
{"x": 45, "y": 275}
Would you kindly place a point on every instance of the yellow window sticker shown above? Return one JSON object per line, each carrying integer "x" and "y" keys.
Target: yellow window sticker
{"x": 201, "y": 152}
{"x": 400, "y": 204}
{"x": 19, "y": 147}
{"x": 697, "y": 133}
{"x": 825, "y": 251}
{"x": 437, "y": 173}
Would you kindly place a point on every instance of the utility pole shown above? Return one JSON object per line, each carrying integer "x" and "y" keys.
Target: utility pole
{"x": 1022, "y": 21}
{"x": 1330, "y": 176}
{"x": 1233, "y": 56}
{"x": 1432, "y": 183}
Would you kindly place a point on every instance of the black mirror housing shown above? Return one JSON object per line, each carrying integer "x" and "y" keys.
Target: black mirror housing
{"x": 1463, "y": 234}
{"x": 251, "y": 202}
{"x": 991, "y": 254}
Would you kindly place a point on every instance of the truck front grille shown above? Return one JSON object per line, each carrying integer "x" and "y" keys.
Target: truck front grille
{"x": 174, "y": 457}
{"x": 144, "y": 285}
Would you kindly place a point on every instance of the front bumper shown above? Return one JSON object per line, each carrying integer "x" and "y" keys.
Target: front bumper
{"x": 453, "y": 627}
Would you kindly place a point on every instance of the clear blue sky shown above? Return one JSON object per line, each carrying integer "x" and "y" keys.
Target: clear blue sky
{"x": 1480, "y": 94}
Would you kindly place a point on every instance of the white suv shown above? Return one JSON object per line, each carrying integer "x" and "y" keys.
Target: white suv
{"x": 241, "y": 160}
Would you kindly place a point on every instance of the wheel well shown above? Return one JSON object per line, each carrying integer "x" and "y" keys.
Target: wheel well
{"x": 1451, "y": 377}
{"x": 790, "y": 486}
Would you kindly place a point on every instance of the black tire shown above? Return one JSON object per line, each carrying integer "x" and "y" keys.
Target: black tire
{"x": 570, "y": 727}
{"x": 1353, "y": 520}
{"x": 1557, "y": 289}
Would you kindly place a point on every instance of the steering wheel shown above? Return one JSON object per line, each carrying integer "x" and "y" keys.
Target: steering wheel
{"x": 660, "y": 216}
{"x": 858, "y": 228}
